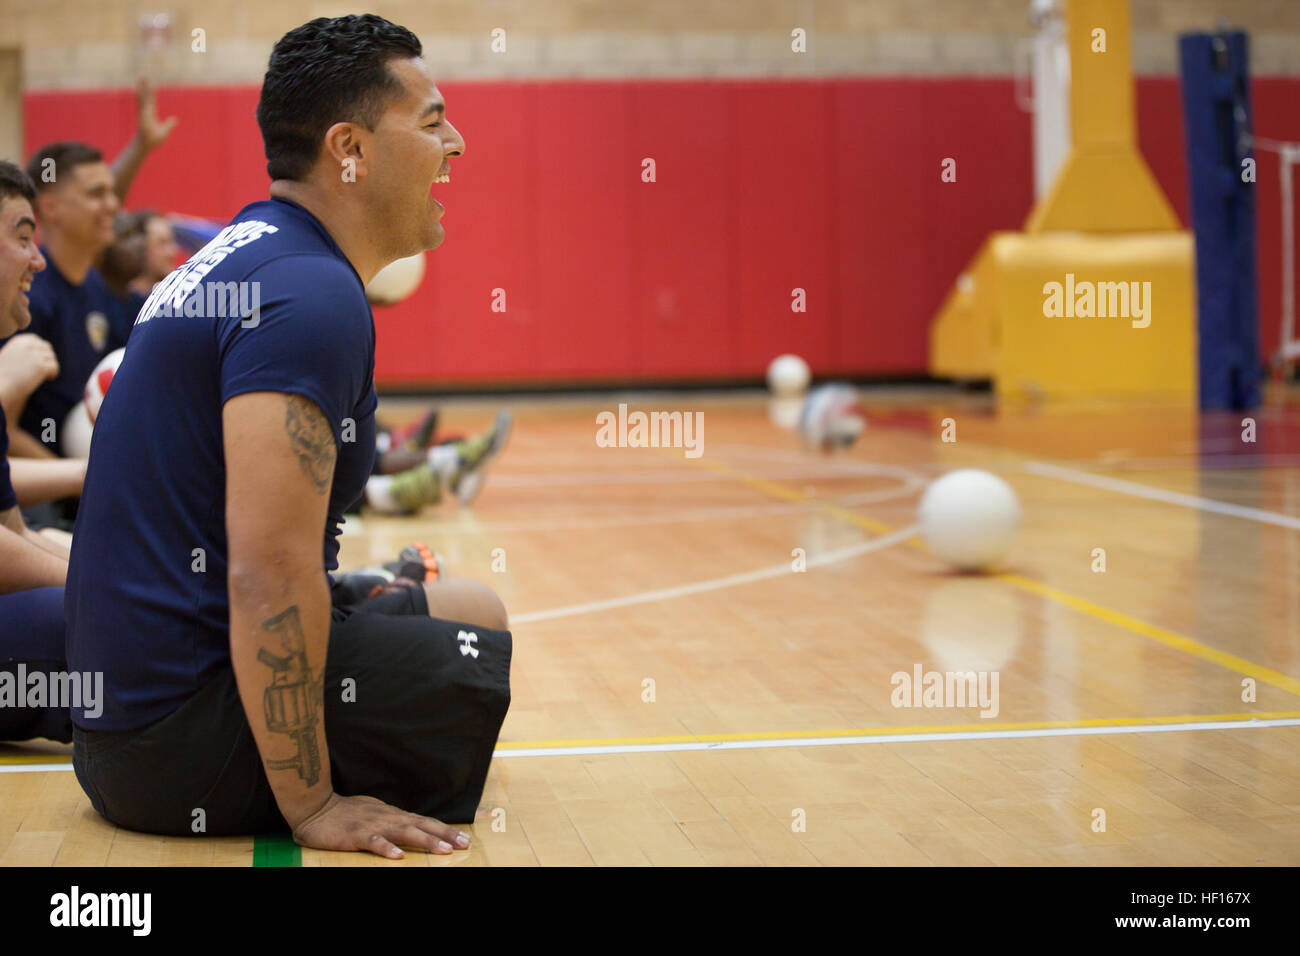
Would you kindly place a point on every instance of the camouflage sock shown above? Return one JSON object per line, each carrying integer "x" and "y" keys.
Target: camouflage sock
{"x": 416, "y": 487}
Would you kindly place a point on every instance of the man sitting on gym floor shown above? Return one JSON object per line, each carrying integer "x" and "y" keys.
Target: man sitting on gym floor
{"x": 226, "y": 452}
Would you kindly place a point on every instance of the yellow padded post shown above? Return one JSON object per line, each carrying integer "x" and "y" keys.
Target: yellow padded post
{"x": 1104, "y": 221}
{"x": 1138, "y": 336}
{"x": 1104, "y": 184}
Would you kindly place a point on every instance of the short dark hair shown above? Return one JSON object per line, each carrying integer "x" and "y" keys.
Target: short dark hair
{"x": 124, "y": 259}
{"x": 67, "y": 156}
{"x": 15, "y": 183}
{"x": 325, "y": 72}
{"x": 134, "y": 223}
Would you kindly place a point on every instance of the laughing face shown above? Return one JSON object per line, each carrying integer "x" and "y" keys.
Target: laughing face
{"x": 20, "y": 260}
{"x": 414, "y": 145}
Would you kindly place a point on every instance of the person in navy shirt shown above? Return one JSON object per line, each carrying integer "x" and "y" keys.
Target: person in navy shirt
{"x": 78, "y": 196}
{"x": 72, "y": 307}
{"x": 239, "y": 427}
{"x": 32, "y": 567}
{"x": 83, "y": 322}
{"x": 125, "y": 266}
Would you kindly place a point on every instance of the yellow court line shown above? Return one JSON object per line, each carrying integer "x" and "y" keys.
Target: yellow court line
{"x": 1164, "y": 636}
{"x": 792, "y": 494}
{"x": 1167, "y": 637}
{"x": 821, "y": 734}
{"x": 16, "y": 759}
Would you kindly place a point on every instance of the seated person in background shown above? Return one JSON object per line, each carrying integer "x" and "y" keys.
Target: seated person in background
{"x": 27, "y": 360}
{"x": 72, "y": 307}
{"x": 413, "y": 468}
{"x": 32, "y": 567}
{"x": 160, "y": 250}
{"x": 122, "y": 265}
{"x": 143, "y": 253}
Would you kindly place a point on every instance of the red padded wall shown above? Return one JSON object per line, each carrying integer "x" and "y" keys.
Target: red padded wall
{"x": 683, "y": 309}
{"x": 762, "y": 186}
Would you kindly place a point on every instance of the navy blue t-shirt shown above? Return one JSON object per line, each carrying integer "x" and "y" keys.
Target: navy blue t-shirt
{"x": 7, "y": 497}
{"x": 144, "y": 606}
{"x": 82, "y": 323}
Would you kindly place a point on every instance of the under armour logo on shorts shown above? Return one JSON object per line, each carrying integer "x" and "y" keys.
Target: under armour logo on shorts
{"x": 466, "y": 640}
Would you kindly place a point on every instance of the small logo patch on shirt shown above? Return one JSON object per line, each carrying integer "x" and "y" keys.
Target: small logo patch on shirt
{"x": 97, "y": 330}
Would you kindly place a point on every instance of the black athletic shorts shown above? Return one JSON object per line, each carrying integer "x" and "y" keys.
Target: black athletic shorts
{"x": 426, "y": 701}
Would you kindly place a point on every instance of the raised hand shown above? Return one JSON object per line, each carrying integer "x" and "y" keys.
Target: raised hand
{"x": 152, "y": 131}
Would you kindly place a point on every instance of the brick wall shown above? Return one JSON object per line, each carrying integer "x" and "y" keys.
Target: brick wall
{"x": 95, "y": 43}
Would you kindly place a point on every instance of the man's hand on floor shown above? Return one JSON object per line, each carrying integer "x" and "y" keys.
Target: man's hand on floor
{"x": 364, "y": 823}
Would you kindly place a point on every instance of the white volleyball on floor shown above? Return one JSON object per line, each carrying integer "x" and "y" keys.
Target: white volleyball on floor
{"x": 830, "y": 417}
{"x": 788, "y": 375}
{"x": 397, "y": 280}
{"x": 969, "y": 518}
{"x": 97, "y": 385}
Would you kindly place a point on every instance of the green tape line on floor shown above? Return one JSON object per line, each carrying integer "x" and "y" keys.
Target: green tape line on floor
{"x": 276, "y": 851}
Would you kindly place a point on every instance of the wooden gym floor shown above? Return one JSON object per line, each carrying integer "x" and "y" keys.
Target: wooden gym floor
{"x": 683, "y": 697}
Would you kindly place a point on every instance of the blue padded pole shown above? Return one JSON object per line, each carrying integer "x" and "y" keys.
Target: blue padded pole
{"x": 1217, "y": 120}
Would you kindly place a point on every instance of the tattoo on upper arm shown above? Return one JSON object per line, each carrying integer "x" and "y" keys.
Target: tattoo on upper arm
{"x": 291, "y": 702}
{"x": 313, "y": 441}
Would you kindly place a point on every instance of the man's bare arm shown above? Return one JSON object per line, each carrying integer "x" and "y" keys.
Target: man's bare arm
{"x": 280, "y": 455}
{"x": 49, "y": 545}
{"x": 279, "y": 465}
{"x": 24, "y": 566}
{"x": 37, "y": 480}
{"x": 150, "y": 133}
{"x": 13, "y": 520}
{"x": 24, "y": 445}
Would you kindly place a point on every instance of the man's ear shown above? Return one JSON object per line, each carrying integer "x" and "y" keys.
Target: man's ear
{"x": 45, "y": 203}
{"x": 344, "y": 144}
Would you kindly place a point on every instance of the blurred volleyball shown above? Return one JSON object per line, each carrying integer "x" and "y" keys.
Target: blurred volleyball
{"x": 788, "y": 375}
{"x": 397, "y": 280}
{"x": 830, "y": 417}
{"x": 74, "y": 440}
{"x": 97, "y": 385}
{"x": 969, "y": 518}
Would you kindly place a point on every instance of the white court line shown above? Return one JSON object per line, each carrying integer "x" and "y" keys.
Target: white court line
{"x": 716, "y": 584}
{"x": 626, "y": 520}
{"x": 669, "y": 474}
{"x": 34, "y": 767}
{"x": 1160, "y": 494}
{"x": 677, "y": 517}
{"x": 896, "y": 738}
{"x": 1203, "y": 462}
{"x": 787, "y": 742}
